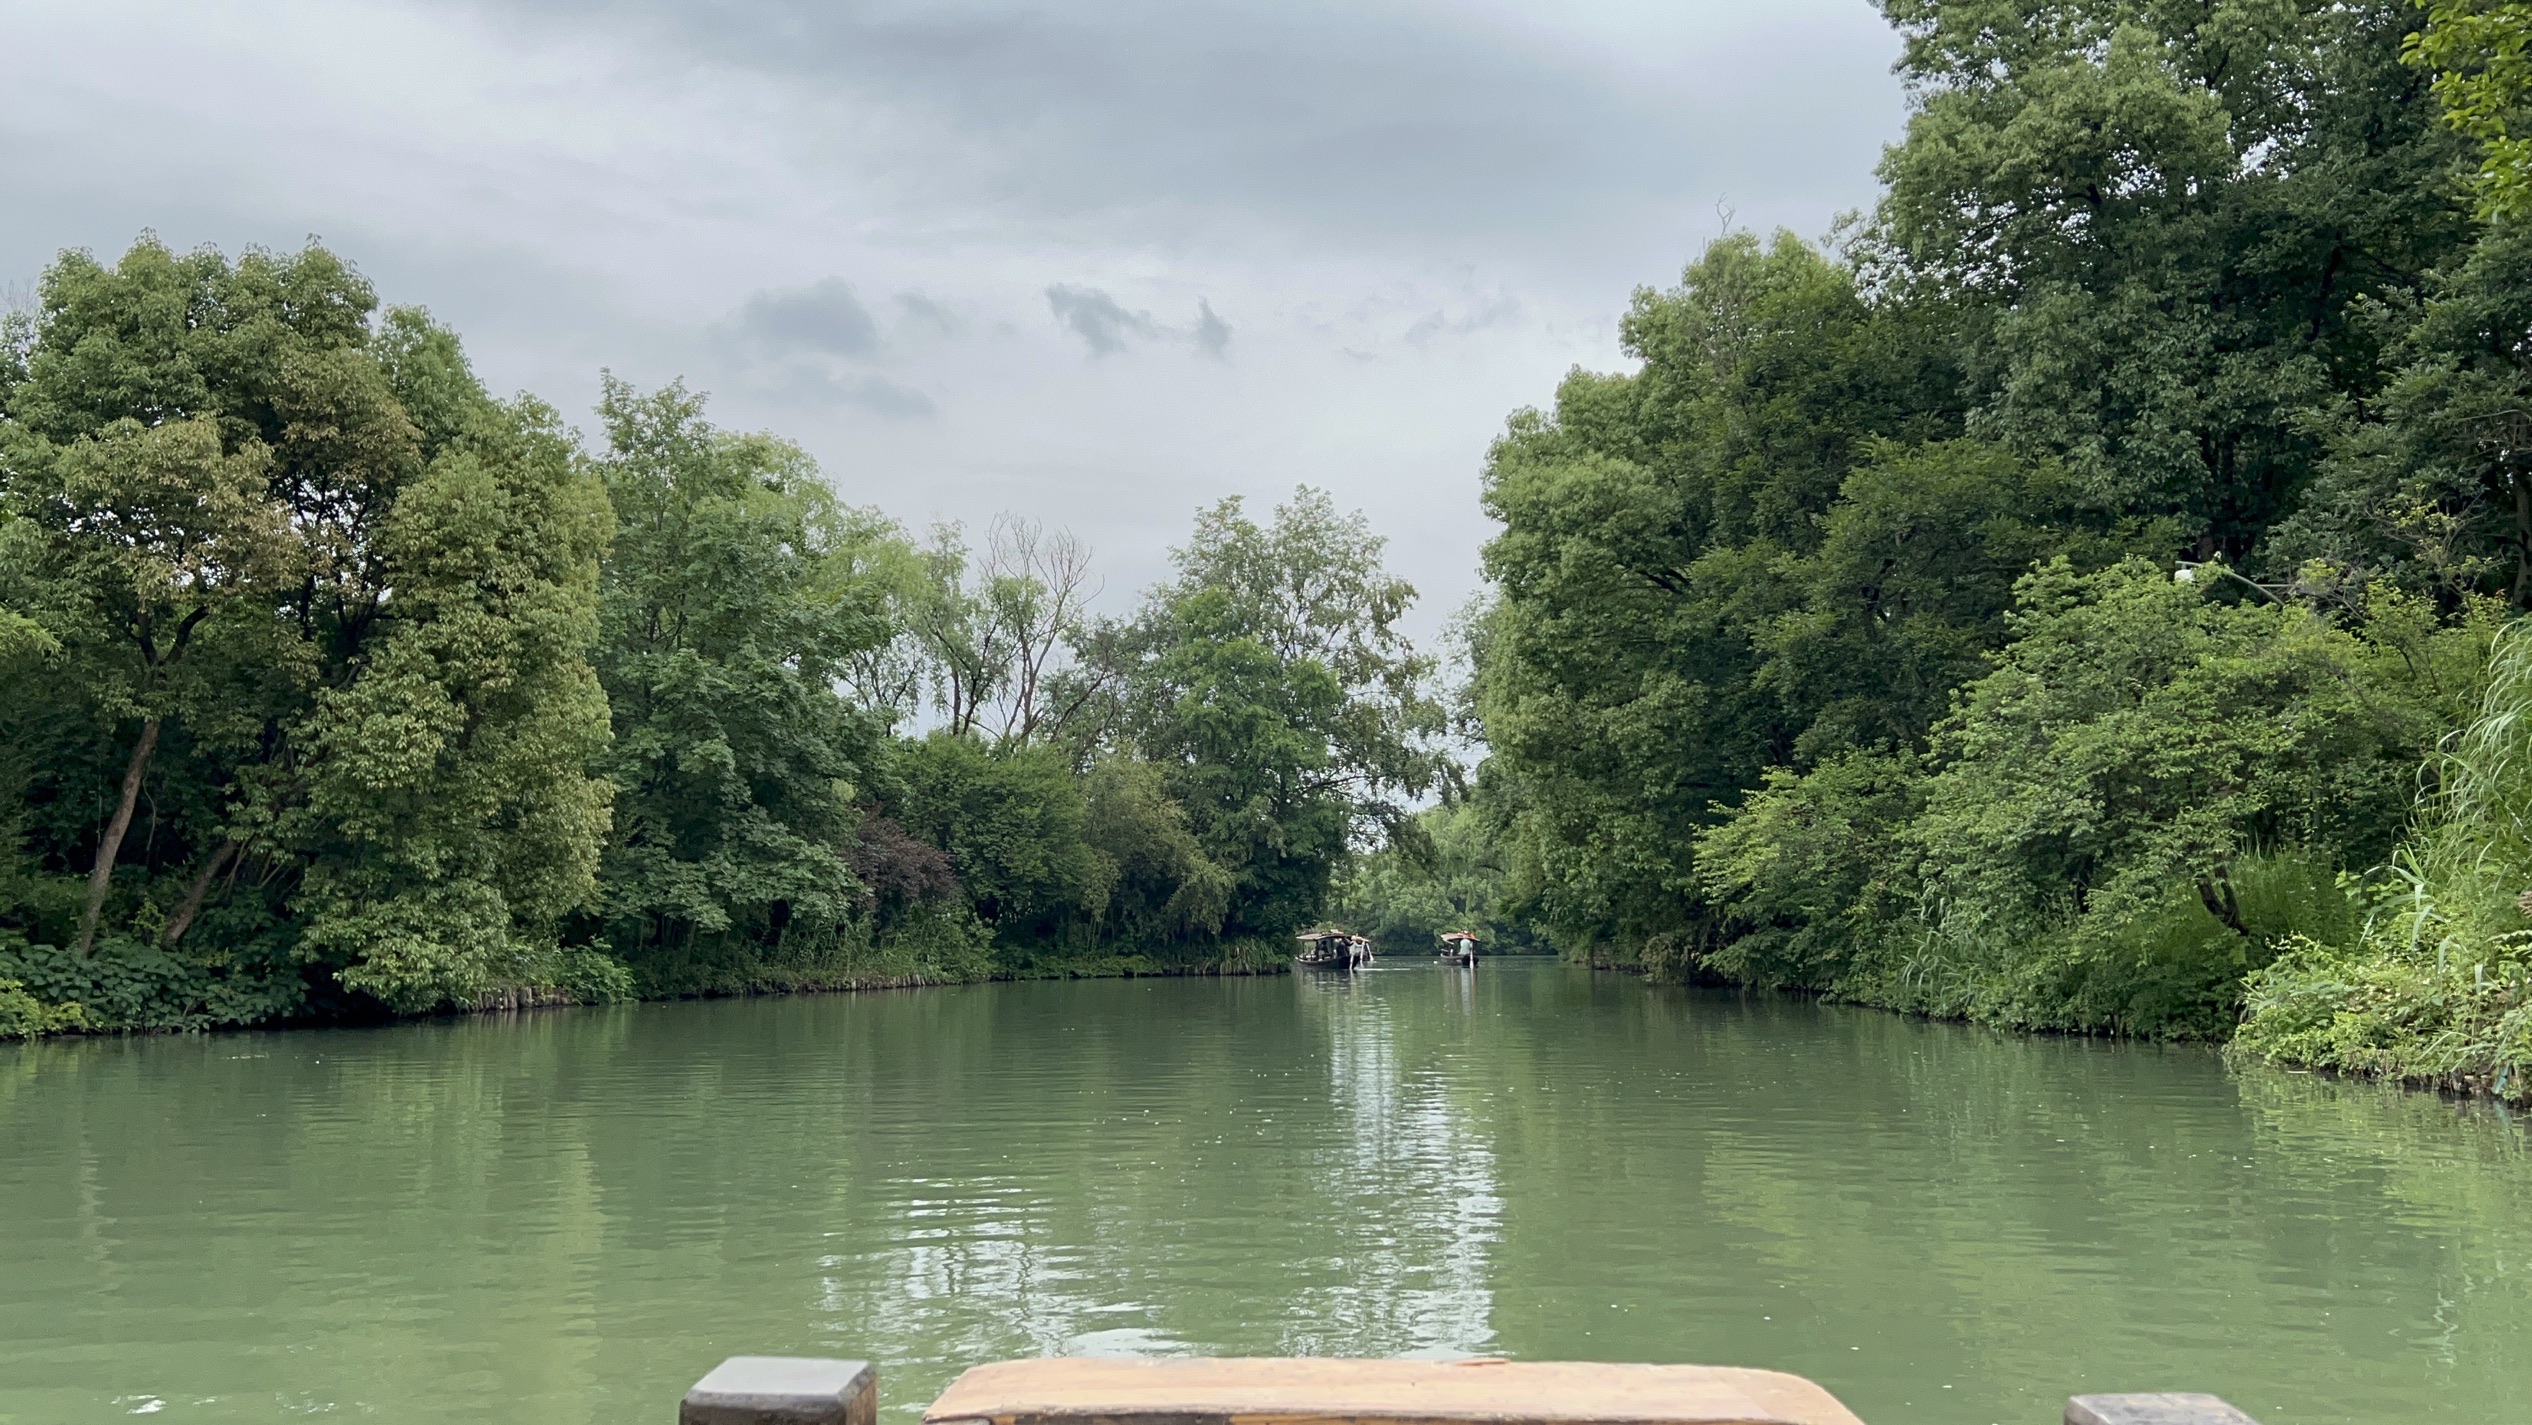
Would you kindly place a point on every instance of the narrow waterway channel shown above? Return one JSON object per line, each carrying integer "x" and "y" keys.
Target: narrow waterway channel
{"x": 567, "y": 1217}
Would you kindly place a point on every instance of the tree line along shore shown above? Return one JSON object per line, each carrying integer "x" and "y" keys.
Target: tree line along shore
{"x": 2079, "y": 596}
{"x": 341, "y": 688}
{"x": 2078, "y": 593}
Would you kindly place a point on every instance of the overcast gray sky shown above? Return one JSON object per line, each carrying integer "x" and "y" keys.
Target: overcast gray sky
{"x": 1097, "y": 262}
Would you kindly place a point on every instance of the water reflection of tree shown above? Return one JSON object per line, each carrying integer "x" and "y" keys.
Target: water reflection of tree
{"x": 577, "y": 1213}
{"x": 1410, "y": 1188}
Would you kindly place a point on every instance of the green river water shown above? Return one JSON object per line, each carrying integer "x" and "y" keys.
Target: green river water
{"x": 567, "y": 1217}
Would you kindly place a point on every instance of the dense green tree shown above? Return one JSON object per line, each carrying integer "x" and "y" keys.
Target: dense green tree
{"x": 1686, "y": 596}
{"x": 153, "y": 538}
{"x": 2176, "y": 217}
{"x": 323, "y": 606}
{"x": 2097, "y": 834}
{"x": 449, "y": 821}
{"x": 1447, "y": 878}
{"x": 1269, "y": 684}
{"x": 2481, "y": 54}
{"x": 1164, "y": 897}
{"x": 1067, "y": 871}
{"x": 2155, "y": 294}
{"x": 2139, "y": 735}
{"x": 1012, "y": 819}
{"x": 733, "y": 607}
{"x": 1806, "y": 877}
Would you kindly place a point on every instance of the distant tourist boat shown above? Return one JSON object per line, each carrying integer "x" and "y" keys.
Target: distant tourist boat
{"x": 1335, "y": 949}
{"x": 1460, "y": 947}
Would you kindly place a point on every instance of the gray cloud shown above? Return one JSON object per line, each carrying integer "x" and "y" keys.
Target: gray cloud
{"x": 800, "y": 345}
{"x": 881, "y": 396}
{"x": 1105, "y": 324}
{"x": 1359, "y": 117}
{"x": 1097, "y": 318}
{"x": 1213, "y": 335}
{"x": 927, "y": 312}
{"x": 577, "y": 185}
{"x": 811, "y": 386}
{"x": 1494, "y": 311}
{"x": 825, "y": 318}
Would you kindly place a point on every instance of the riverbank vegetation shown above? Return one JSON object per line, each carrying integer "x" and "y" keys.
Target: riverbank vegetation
{"x": 340, "y": 687}
{"x": 2082, "y": 593}
{"x": 2059, "y": 599}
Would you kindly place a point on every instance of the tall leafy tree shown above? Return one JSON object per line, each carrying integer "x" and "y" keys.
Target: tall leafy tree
{"x": 327, "y": 607}
{"x": 734, "y": 607}
{"x": 150, "y": 534}
{"x": 450, "y": 819}
{"x": 2177, "y": 217}
{"x": 2430, "y": 484}
{"x": 1682, "y": 600}
{"x": 1269, "y": 683}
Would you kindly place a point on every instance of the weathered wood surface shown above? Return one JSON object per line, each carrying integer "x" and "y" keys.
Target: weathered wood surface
{"x": 783, "y": 1390}
{"x": 2163, "y": 1408}
{"x": 1336, "y": 1392}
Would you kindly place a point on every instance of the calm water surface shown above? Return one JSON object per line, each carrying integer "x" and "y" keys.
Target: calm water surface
{"x": 568, "y": 1217}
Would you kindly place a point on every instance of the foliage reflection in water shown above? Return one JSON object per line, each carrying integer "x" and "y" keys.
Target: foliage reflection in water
{"x": 567, "y": 1217}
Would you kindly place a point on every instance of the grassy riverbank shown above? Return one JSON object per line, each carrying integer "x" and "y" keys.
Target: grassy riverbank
{"x": 158, "y": 994}
{"x": 2417, "y": 969}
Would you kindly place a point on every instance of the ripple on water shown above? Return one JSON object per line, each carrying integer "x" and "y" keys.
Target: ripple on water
{"x": 567, "y": 1217}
